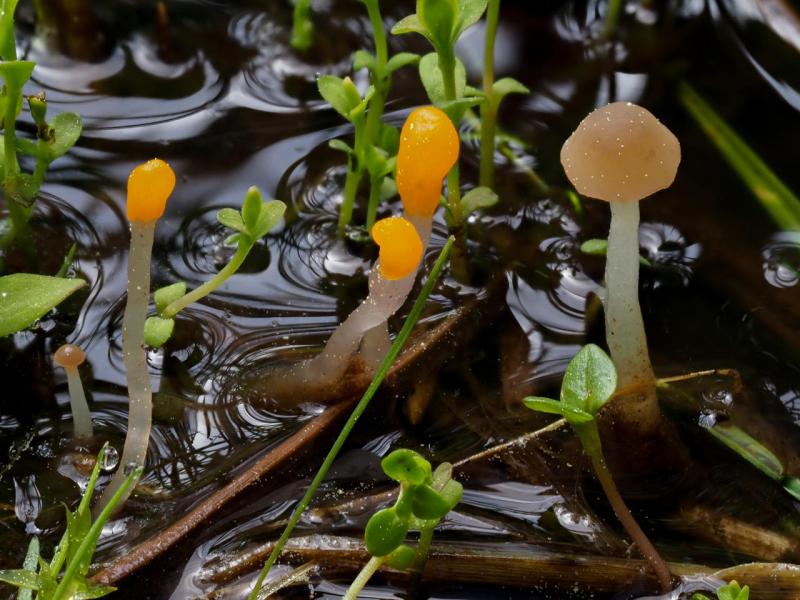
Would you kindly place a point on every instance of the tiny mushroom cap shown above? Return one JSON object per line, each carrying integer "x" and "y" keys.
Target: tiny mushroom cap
{"x": 149, "y": 186}
{"x": 621, "y": 153}
{"x": 429, "y": 147}
{"x": 400, "y": 247}
{"x": 69, "y": 356}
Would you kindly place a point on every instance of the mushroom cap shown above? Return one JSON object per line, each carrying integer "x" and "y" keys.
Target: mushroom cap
{"x": 69, "y": 356}
{"x": 621, "y": 153}
{"x": 149, "y": 187}
{"x": 400, "y": 247}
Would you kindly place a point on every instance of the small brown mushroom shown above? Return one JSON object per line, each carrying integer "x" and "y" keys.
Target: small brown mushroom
{"x": 621, "y": 153}
{"x": 70, "y": 357}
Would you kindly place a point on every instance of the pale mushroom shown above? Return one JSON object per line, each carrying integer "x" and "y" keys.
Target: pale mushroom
{"x": 70, "y": 357}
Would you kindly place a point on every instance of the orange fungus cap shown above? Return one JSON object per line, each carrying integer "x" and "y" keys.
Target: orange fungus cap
{"x": 149, "y": 186}
{"x": 400, "y": 247}
{"x": 69, "y": 356}
{"x": 429, "y": 148}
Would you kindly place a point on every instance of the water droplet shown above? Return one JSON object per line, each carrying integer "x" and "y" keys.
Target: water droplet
{"x": 110, "y": 459}
{"x": 781, "y": 258}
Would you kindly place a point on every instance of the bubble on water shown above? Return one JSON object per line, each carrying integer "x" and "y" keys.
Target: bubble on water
{"x": 781, "y": 260}
{"x": 130, "y": 467}
{"x": 708, "y": 419}
{"x": 110, "y": 459}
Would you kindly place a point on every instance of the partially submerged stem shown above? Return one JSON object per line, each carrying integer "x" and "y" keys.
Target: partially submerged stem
{"x": 363, "y": 577}
{"x": 135, "y": 359}
{"x": 489, "y": 106}
{"x": 398, "y": 344}
{"x": 81, "y": 417}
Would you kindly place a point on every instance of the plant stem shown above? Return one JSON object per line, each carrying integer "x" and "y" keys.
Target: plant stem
{"x": 638, "y": 536}
{"x": 359, "y": 409}
{"x": 363, "y": 577}
{"x": 489, "y": 106}
{"x": 140, "y": 394}
{"x": 423, "y": 548}
{"x": 174, "y": 307}
{"x": 612, "y": 16}
{"x": 351, "y": 184}
{"x": 447, "y": 65}
{"x": 374, "y": 198}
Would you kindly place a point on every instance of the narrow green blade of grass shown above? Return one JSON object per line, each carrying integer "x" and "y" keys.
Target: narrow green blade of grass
{"x": 775, "y": 197}
{"x": 383, "y": 369}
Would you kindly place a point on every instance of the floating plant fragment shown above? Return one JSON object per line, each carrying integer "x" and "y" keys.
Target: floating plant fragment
{"x": 70, "y": 357}
{"x": 589, "y": 382}
{"x": 424, "y": 499}
{"x": 621, "y": 154}
{"x": 256, "y": 219}
{"x": 149, "y": 186}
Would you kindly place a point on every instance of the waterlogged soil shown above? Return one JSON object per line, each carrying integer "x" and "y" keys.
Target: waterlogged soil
{"x": 216, "y": 90}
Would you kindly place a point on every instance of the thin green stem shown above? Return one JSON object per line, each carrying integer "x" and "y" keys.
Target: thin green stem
{"x": 489, "y": 106}
{"x": 623, "y": 513}
{"x": 423, "y": 548}
{"x": 612, "y": 16}
{"x": 387, "y": 361}
{"x": 375, "y": 185}
{"x": 363, "y": 577}
{"x": 212, "y": 284}
{"x": 351, "y": 183}
{"x": 447, "y": 65}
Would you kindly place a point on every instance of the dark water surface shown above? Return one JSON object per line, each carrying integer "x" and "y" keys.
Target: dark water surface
{"x": 217, "y": 92}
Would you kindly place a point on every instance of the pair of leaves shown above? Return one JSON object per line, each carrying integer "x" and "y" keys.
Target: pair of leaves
{"x": 342, "y": 95}
{"x": 256, "y": 219}
{"x": 362, "y": 59}
{"x": 589, "y": 382}
{"x": 442, "y": 22}
{"x": 26, "y": 297}
{"x": 432, "y": 78}
{"x": 730, "y": 591}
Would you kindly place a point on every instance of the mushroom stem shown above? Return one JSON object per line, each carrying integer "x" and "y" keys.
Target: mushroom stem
{"x": 133, "y": 354}
{"x": 625, "y": 333}
{"x": 81, "y": 417}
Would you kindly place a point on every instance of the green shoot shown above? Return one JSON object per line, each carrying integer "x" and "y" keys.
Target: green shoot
{"x": 589, "y": 383}
{"x": 730, "y": 591}
{"x": 782, "y": 205}
{"x": 302, "y": 26}
{"x": 74, "y": 551}
{"x": 28, "y": 297}
{"x": 256, "y": 219}
{"x": 424, "y": 500}
{"x": 383, "y": 369}
{"x": 598, "y": 247}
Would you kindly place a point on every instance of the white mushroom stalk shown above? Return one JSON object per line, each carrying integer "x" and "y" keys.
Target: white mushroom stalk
{"x": 70, "y": 357}
{"x": 149, "y": 187}
{"x": 621, "y": 154}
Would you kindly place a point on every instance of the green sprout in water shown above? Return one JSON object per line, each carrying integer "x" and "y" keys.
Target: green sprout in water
{"x": 375, "y": 143}
{"x": 256, "y": 219}
{"x": 730, "y": 591}
{"x": 424, "y": 500}
{"x": 589, "y": 382}
{"x": 74, "y": 552}
{"x": 302, "y": 26}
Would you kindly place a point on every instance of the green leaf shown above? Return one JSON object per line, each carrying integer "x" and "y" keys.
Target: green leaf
{"x": 231, "y": 218}
{"x": 749, "y": 448}
{"x": 431, "y": 76}
{"x": 439, "y": 18}
{"x": 596, "y": 247}
{"x": 476, "y": 199}
{"x": 165, "y": 296}
{"x": 22, "y": 188}
{"x": 8, "y": 46}
{"x": 361, "y": 107}
{"x": 401, "y": 557}
{"x": 363, "y": 60}
{"x": 505, "y": 86}
{"x": 32, "y": 555}
{"x": 455, "y": 109}
{"x": 21, "y": 578}
{"x": 407, "y": 466}
{"x": 341, "y": 94}
{"x": 341, "y": 145}
{"x": 470, "y": 90}
{"x": 385, "y": 531}
{"x": 410, "y": 24}
{"x": 25, "y": 298}
{"x": 732, "y": 591}
{"x": 400, "y": 60}
{"x": 16, "y": 73}
{"x": 271, "y": 214}
{"x": 544, "y": 405}
{"x": 699, "y": 596}
{"x": 87, "y": 590}
{"x": 452, "y": 492}
{"x": 376, "y": 161}
{"x": 66, "y": 129}
{"x": 235, "y": 239}
{"x": 157, "y": 331}
{"x": 388, "y": 186}
{"x": 470, "y": 11}
{"x": 590, "y": 380}
{"x": 427, "y": 503}
{"x": 389, "y": 139}
{"x": 251, "y": 208}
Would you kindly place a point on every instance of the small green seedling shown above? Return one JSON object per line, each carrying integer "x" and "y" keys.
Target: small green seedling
{"x": 73, "y": 553}
{"x": 424, "y": 500}
{"x": 731, "y": 591}
{"x": 256, "y": 219}
{"x": 589, "y": 383}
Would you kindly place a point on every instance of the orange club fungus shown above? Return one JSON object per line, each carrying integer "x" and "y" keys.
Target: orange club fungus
{"x": 149, "y": 186}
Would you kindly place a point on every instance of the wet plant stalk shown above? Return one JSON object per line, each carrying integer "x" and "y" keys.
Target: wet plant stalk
{"x": 133, "y": 355}
{"x": 209, "y": 286}
{"x": 489, "y": 106}
{"x": 394, "y": 351}
{"x": 623, "y": 513}
{"x": 423, "y": 548}
{"x": 612, "y": 17}
{"x": 363, "y": 577}
{"x": 374, "y": 199}
{"x": 19, "y": 214}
